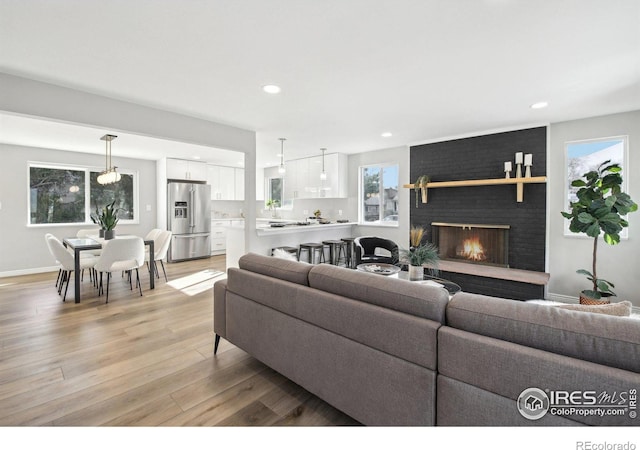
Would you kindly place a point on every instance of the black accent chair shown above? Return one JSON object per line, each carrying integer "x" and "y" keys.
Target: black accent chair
{"x": 366, "y": 247}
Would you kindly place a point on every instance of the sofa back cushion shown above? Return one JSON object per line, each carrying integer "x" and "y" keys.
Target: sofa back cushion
{"x": 293, "y": 271}
{"x": 400, "y": 295}
{"x": 602, "y": 339}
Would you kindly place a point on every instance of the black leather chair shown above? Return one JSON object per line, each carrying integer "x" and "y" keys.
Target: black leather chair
{"x": 367, "y": 250}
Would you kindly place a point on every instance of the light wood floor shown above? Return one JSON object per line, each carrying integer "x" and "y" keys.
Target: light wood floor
{"x": 136, "y": 361}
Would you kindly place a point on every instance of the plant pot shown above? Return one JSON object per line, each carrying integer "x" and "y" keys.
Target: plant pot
{"x": 416, "y": 273}
{"x": 585, "y": 300}
{"x": 109, "y": 234}
{"x": 423, "y": 192}
{"x": 101, "y": 233}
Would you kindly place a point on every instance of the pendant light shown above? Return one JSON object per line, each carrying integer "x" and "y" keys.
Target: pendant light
{"x": 110, "y": 175}
{"x": 323, "y": 174}
{"x": 282, "y": 169}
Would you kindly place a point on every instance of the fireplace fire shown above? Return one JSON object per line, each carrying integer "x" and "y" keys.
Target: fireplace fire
{"x": 472, "y": 249}
{"x": 472, "y": 243}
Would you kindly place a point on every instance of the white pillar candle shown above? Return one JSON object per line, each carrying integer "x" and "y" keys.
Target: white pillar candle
{"x": 528, "y": 158}
{"x": 507, "y": 166}
{"x": 519, "y": 158}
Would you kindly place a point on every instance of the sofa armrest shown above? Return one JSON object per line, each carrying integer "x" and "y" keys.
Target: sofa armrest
{"x": 220, "y": 308}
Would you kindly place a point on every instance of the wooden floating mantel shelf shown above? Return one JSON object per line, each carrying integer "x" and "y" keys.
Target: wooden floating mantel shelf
{"x": 519, "y": 182}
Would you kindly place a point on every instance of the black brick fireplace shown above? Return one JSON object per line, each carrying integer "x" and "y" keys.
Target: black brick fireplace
{"x": 483, "y": 157}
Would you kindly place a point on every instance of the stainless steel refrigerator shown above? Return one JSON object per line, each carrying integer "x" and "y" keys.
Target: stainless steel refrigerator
{"x": 189, "y": 218}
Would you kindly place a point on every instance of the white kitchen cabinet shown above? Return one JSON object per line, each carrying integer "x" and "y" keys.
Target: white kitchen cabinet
{"x": 183, "y": 169}
{"x": 302, "y": 178}
{"x": 219, "y": 235}
{"x": 239, "y": 190}
{"x": 335, "y": 186}
{"x": 223, "y": 182}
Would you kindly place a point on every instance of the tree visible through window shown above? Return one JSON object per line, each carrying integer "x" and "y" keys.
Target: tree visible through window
{"x": 379, "y": 188}
{"x": 60, "y": 195}
{"x": 121, "y": 192}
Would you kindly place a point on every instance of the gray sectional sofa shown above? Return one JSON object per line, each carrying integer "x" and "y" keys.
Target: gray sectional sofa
{"x": 391, "y": 352}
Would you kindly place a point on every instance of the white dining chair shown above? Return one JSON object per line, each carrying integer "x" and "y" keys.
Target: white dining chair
{"x": 160, "y": 249}
{"x": 66, "y": 261}
{"x": 153, "y": 234}
{"x": 123, "y": 254}
{"x": 46, "y": 240}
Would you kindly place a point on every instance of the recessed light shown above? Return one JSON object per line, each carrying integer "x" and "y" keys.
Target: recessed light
{"x": 196, "y": 157}
{"x": 539, "y": 105}
{"x": 271, "y": 89}
{"x": 386, "y": 134}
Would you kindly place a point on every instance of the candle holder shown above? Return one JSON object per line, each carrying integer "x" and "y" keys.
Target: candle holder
{"x": 507, "y": 169}
{"x": 528, "y": 162}
{"x": 519, "y": 165}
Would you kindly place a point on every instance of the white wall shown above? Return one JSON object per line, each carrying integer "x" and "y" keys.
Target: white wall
{"x": 22, "y": 247}
{"x": 396, "y": 155}
{"x": 619, "y": 263}
{"x": 48, "y": 101}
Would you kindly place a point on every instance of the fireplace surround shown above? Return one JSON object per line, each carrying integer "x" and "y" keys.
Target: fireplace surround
{"x": 479, "y": 158}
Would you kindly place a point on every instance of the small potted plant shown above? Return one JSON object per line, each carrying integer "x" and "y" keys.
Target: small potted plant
{"x": 600, "y": 209}
{"x": 273, "y": 205}
{"x": 110, "y": 219}
{"x": 317, "y": 213}
{"x": 420, "y": 187}
{"x": 419, "y": 254}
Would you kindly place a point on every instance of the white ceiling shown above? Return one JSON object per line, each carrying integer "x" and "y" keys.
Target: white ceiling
{"x": 349, "y": 69}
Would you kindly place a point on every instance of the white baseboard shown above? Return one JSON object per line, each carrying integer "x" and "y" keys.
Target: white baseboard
{"x": 17, "y": 273}
{"x": 562, "y": 298}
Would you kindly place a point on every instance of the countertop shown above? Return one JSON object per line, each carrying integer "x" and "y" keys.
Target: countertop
{"x": 291, "y": 227}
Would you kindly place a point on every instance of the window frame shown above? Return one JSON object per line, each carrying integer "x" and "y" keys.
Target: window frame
{"x": 380, "y": 222}
{"x": 87, "y": 193}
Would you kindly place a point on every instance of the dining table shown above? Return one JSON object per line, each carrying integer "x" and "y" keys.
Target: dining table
{"x": 79, "y": 245}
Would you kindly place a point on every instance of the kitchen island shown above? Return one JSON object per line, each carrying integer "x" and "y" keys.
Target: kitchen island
{"x": 287, "y": 233}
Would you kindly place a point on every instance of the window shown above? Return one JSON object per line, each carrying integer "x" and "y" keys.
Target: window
{"x": 379, "y": 195}
{"x": 584, "y": 156}
{"x": 68, "y": 195}
{"x": 275, "y": 190}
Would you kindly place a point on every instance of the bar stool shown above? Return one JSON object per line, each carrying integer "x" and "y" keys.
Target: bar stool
{"x": 350, "y": 251}
{"x": 291, "y": 250}
{"x": 312, "y": 248}
{"x": 336, "y": 247}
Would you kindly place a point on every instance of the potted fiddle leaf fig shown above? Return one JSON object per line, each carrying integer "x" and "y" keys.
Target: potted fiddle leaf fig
{"x": 600, "y": 210}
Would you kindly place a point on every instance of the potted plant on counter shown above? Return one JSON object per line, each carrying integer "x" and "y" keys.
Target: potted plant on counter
{"x": 419, "y": 254}
{"x": 600, "y": 209}
{"x": 273, "y": 205}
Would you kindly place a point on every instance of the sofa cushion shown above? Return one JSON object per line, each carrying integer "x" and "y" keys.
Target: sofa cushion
{"x": 621, "y": 309}
{"x": 293, "y": 271}
{"x": 412, "y": 298}
{"x": 608, "y": 340}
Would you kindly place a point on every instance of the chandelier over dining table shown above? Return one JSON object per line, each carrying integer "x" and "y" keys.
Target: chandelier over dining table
{"x": 110, "y": 175}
